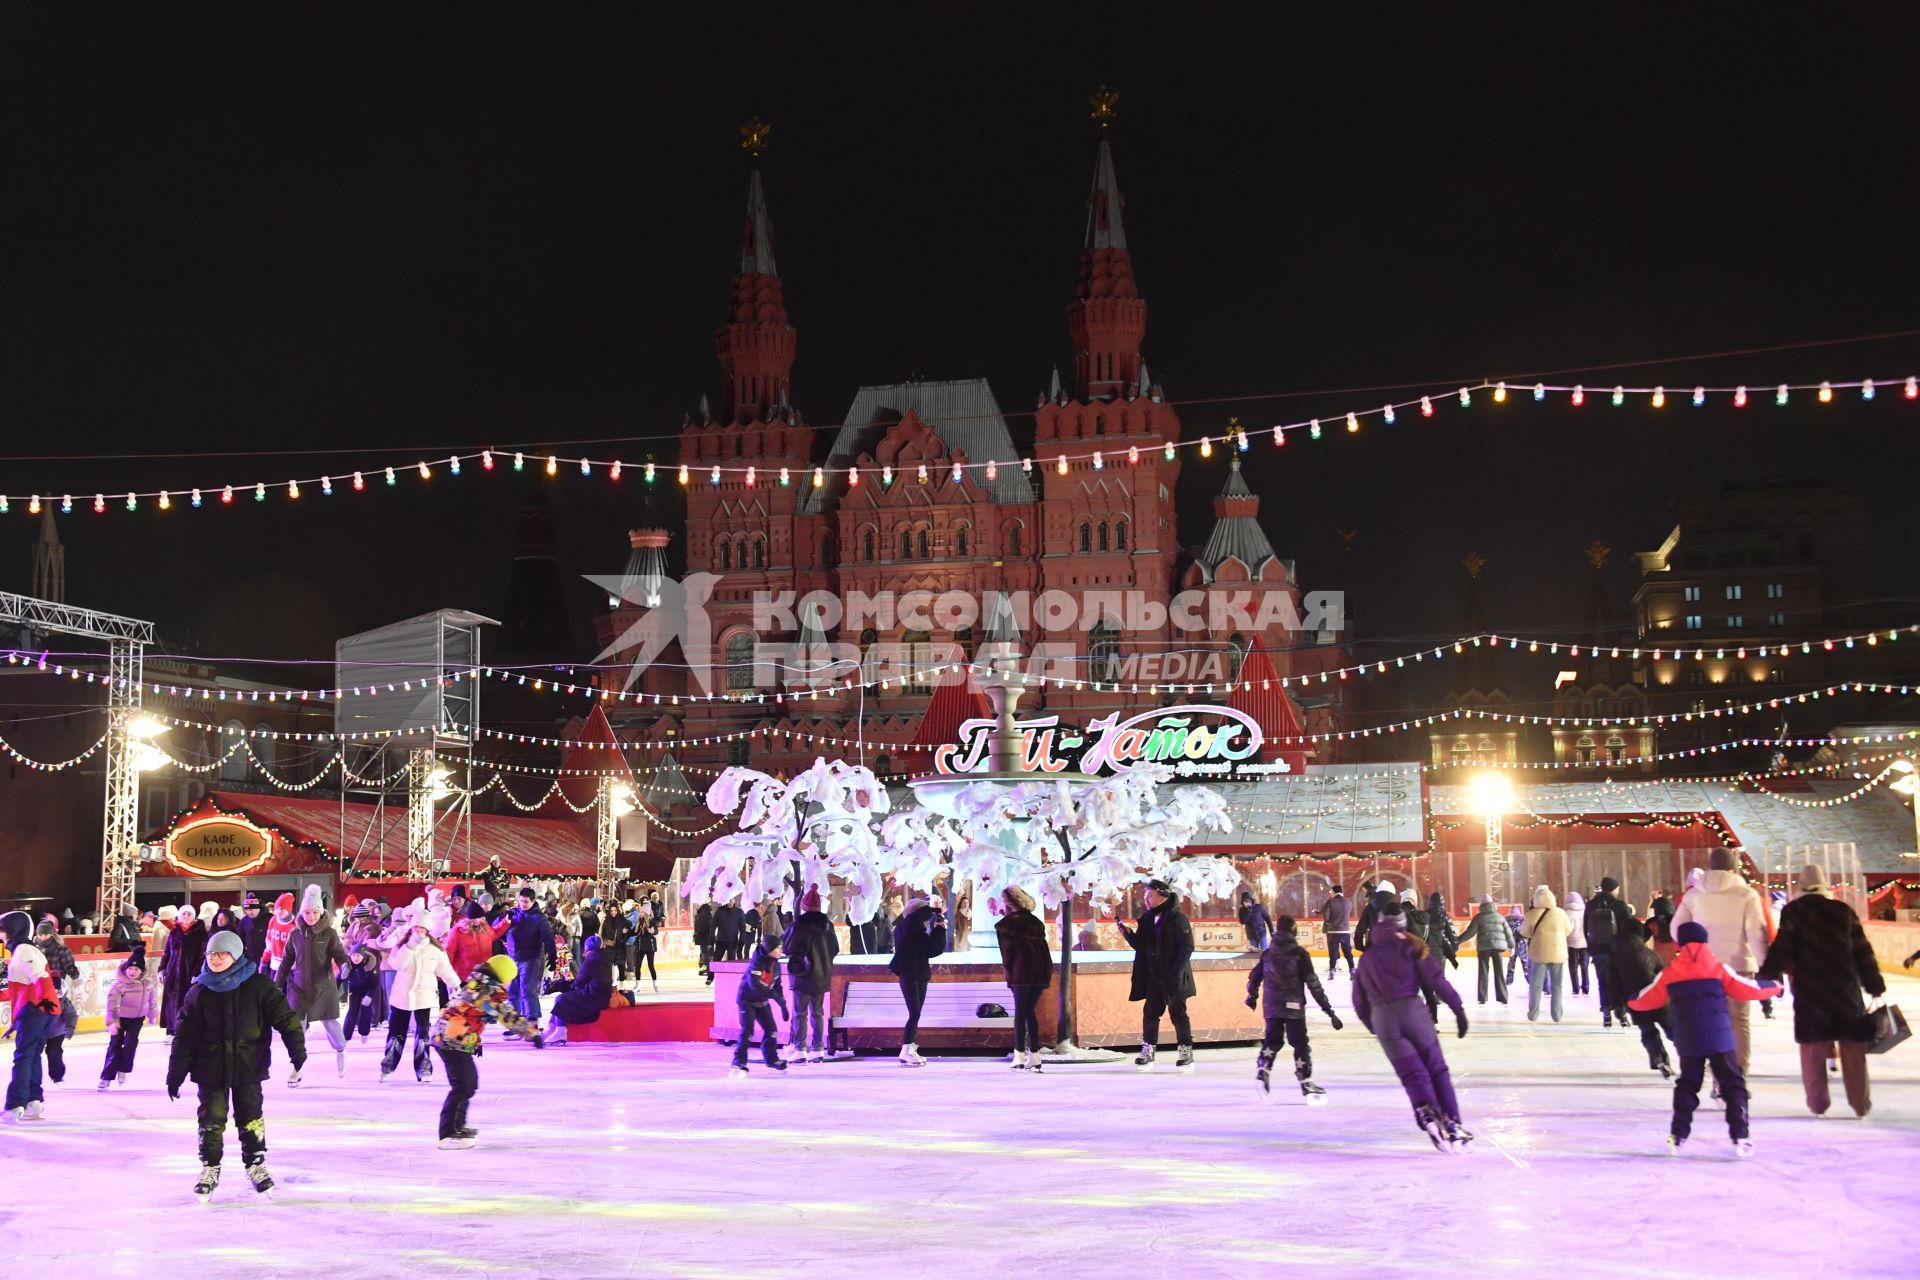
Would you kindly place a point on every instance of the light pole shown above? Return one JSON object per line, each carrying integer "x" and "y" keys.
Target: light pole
{"x": 1908, "y": 785}
{"x": 1491, "y": 796}
{"x": 614, "y": 802}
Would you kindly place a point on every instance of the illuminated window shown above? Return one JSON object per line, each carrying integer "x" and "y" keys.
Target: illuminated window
{"x": 1103, "y": 651}
{"x": 1776, "y": 619}
{"x": 1692, "y": 594}
{"x": 1695, "y": 622}
{"x": 1776, "y": 591}
{"x": 740, "y": 660}
{"x": 1736, "y": 620}
{"x": 1733, "y": 591}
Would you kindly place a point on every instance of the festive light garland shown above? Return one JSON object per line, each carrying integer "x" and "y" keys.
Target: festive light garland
{"x": 52, "y": 766}
{"x": 920, "y": 677}
{"x": 1235, "y": 437}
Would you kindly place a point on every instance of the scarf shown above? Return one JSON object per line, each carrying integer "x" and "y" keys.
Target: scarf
{"x": 235, "y": 974}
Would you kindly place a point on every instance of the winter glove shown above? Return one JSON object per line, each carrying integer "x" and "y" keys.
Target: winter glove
{"x": 1460, "y": 1017}
{"x": 1334, "y": 1018}
{"x": 1253, "y": 1002}
{"x": 1454, "y": 961}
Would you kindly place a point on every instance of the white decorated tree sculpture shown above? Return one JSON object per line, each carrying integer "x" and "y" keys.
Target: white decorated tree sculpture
{"x": 1097, "y": 838}
{"x": 793, "y": 836}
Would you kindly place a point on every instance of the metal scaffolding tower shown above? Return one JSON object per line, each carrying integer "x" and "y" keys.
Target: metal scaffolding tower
{"x": 127, "y": 640}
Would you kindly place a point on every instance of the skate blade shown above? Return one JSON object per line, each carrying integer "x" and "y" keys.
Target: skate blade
{"x": 1316, "y": 1099}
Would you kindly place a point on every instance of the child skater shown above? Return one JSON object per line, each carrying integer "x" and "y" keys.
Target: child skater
{"x": 481, "y": 999}
{"x": 1387, "y": 998}
{"x": 36, "y": 1014}
{"x": 1695, "y": 989}
{"x": 1285, "y": 974}
{"x": 132, "y": 998}
{"x": 759, "y": 986}
{"x": 228, "y": 1011}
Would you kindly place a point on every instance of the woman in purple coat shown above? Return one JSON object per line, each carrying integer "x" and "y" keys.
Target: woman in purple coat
{"x": 1387, "y": 996}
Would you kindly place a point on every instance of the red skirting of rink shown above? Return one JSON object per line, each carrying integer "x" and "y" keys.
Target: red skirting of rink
{"x": 655, "y": 1022}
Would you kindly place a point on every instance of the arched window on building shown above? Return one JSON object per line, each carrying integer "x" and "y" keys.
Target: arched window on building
{"x": 740, "y": 750}
{"x": 906, "y": 544}
{"x": 1103, "y": 535}
{"x": 723, "y": 549}
{"x": 1086, "y": 536}
{"x": 759, "y": 553}
{"x": 916, "y": 660}
{"x": 866, "y": 544}
{"x": 1583, "y": 747}
{"x": 234, "y": 767}
{"x": 1103, "y": 651}
{"x": 960, "y": 541}
{"x": 1616, "y": 747}
{"x": 869, "y": 638}
{"x": 1013, "y": 538}
{"x": 922, "y": 537}
{"x": 740, "y": 660}
{"x": 1120, "y": 535}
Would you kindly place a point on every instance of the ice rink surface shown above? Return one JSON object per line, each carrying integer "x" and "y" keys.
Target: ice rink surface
{"x": 626, "y": 1160}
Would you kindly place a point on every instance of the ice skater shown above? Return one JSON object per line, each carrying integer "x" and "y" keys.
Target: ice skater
{"x": 132, "y": 999}
{"x": 481, "y": 999}
{"x": 1490, "y": 937}
{"x": 1387, "y": 1000}
{"x": 918, "y": 936}
{"x": 760, "y": 986}
{"x": 419, "y": 967}
{"x": 36, "y": 1012}
{"x": 811, "y": 946}
{"x": 306, "y": 978}
{"x": 1336, "y": 920}
{"x": 1635, "y": 966}
{"x": 1283, "y": 978}
{"x": 1697, "y": 988}
{"x": 228, "y": 1011}
{"x": 1029, "y": 969}
{"x": 1162, "y": 973}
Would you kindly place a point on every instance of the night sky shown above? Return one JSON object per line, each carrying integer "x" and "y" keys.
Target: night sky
{"x": 270, "y": 229}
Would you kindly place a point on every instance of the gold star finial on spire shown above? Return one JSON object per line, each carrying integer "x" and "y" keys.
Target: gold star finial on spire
{"x": 753, "y": 136}
{"x": 1106, "y": 105}
{"x": 1474, "y": 563}
{"x": 1597, "y": 553}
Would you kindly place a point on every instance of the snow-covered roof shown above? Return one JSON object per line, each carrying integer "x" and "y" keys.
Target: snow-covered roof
{"x": 962, "y": 411}
{"x": 1329, "y": 808}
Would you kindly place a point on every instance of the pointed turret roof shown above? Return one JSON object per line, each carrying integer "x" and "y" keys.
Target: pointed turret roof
{"x": 646, "y": 568}
{"x": 756, "y": 238}
{"x": 1237, "y": 534}
{"x": 597, "y": 751}
{"x": 1105, "y": 229}
{"x": 955, "y": 700}
{"x": 1257, "y": 693}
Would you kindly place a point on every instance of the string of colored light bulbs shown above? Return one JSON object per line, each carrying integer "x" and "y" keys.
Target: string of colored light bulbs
{"x": 750, "y": 474}
{"x": 919, "y": 676}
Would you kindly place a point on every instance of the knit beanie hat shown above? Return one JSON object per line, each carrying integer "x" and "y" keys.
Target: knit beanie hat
{"x": 1690, "y": 932}
{"x": 1608, "y": 884}
{"x": 502, "y": 967}
{"x": 283, "y": 903}
{"x": 1160, "y": 886}
{"x": 311, "y": 899}
{"x": 474, "y": 912}
{"x": 227, "y": 943}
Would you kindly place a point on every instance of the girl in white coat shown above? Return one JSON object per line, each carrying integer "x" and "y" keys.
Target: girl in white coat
{"x": 1579, "y": 978}
{"x": 418, "y": 965}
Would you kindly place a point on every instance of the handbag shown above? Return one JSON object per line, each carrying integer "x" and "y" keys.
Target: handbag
{"x": 1889, "y": 1028}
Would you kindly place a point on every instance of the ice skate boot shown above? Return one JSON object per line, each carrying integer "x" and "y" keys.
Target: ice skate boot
{"x": 36, "y": 1110}
{"x": 1665, "y": 1069}
{"x": 340, "y": 1063}
{"x": 122, "y": 1080}
{"x": 1263, "y": 1072}
{"x": 293, "y": 1081}
{"x": 106, "y": 1082}
{"x": 777, "y": 1065}
{"x": 1431, "y": 1125}
{"x": 262, "y": 1180}
{"x": 910, "y": 1056}
{"x": 1145, "y": 1061}
{"x": 737, "y": 1073}
{"x": 16, "y": 1114}
{"x": 1033, "y": 1060}
{"x": 209, "y": 1179}
{"x": 816, "y": 1055}
{"x": 1459, "y": 1139}
{"x": 455, "y": 1142}
{"x": 1184, "y": 1063}
{"x": 1019, "y": 1060}
{"x": 1674, "y": 1144}
{"x": 1313, "y": 1093}
{"x": 1743, "y": 1148}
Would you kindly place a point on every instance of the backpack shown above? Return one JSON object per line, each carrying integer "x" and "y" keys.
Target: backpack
{"x": 1601, "y": 929}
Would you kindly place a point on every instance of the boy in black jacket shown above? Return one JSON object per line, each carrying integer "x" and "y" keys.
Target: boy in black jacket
{"x": 226, "y": 1017}
{"x": 1285, "y": 973}
{"x": 759, "y": 986}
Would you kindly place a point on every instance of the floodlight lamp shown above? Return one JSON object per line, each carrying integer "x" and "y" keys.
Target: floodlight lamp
{"x": 1491, "y": 794}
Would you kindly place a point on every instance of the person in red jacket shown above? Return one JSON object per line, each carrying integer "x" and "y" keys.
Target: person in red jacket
{"x": 36, "y": 1012}
{"x": 1695, "y": 989}
{"x": 470, "y": 942}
